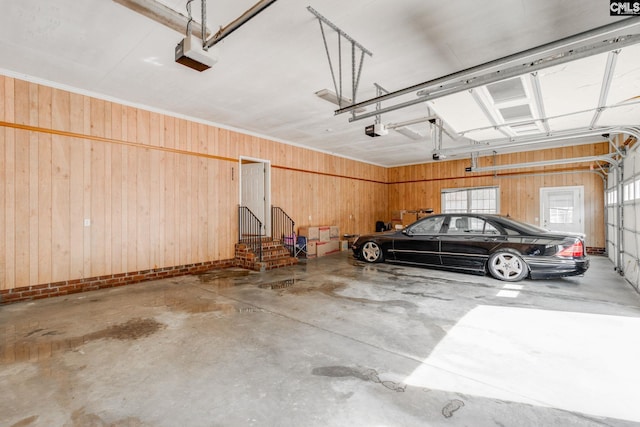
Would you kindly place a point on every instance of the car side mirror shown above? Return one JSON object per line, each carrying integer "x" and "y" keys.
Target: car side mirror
{"x": 407, "y": 232}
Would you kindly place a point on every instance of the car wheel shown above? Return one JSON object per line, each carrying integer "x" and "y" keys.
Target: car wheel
{"x": 371, "y": 252}
{"x": 508, "y": 266}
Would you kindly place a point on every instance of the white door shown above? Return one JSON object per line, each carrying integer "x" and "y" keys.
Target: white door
{"x": 253, "y": 192}
{"x": 562, "y": 208}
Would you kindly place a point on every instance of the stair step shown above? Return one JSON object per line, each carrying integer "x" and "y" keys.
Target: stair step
{"x": 274, "y": 255}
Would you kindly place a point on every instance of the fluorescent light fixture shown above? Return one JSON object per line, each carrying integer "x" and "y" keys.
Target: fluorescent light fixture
{"x": 329, "y": 95}
{"x": 162, "y": 14}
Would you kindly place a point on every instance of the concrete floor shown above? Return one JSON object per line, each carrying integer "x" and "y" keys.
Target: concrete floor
{"x": 329, "y": 342}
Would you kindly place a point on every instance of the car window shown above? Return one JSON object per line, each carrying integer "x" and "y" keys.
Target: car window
{"x": 428, "y": 226}
{"x": 470, "y": 225}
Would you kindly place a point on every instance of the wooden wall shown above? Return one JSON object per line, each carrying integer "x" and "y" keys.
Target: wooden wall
{"x": 157, "y": 191}
{"x": 419, "y": 186}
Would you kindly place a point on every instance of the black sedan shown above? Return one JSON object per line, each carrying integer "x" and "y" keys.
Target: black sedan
{"x": 476, "y": 243}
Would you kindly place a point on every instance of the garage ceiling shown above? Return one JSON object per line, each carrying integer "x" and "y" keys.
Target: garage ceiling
{"x": 269, "y": 70}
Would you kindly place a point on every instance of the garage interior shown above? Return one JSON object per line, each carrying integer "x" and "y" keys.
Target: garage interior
{"x": 121, "y": 165}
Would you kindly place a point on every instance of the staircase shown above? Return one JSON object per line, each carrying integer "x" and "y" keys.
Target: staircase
{"x": 259, "y": 253}
{"x": 274, "y": 255}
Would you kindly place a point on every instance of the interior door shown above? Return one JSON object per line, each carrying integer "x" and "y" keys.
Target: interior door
{"x": 562, "y": 208}
{"x": 253, "y": 194}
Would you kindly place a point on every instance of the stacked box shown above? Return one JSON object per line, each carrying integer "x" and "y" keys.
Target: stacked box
{"x": 324, "y": 234}
{"x": 334, "y": 232}
{"x": 326, "y": 248}
{"x": 311, "y": 249}
{"x": 311, "y": 233}
{"x": 321, "y": 240}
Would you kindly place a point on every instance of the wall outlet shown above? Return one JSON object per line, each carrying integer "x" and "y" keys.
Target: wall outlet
{"x": 87, "y": 222}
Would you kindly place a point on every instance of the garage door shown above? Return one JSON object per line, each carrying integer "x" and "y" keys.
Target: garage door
{"x": 624, "y": 191}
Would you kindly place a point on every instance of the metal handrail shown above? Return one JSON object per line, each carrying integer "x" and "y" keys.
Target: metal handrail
{"x": 250, "y": 230}
{"x": 282, "y": 228}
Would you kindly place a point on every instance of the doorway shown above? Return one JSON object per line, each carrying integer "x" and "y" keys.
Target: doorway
{"x": 562, "y": 208}
{"x": 255, "y": 190}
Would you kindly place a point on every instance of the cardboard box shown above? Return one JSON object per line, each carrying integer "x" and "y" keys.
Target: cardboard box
{"x": 311, "y": 249}
{"x": 344, "y": 245}
{"x": 334, "y": 232}
{"x": 311, "y": 233}
{"x": 397, "y": 215}
{"x": 324, "y": 234}
{"x": 409, "y": 218}
{"x": 326, "y": 248}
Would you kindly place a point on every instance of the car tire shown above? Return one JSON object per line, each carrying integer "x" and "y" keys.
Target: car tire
{"x": 507, "y": 266}
{"x": 371, "y": 252}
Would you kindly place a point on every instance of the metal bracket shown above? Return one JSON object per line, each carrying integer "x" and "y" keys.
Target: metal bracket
{"x": 355, "y": 47}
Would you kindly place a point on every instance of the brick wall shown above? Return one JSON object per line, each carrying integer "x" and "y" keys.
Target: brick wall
{"x": 595, "y": 251}
{"x": 47, "y": 290}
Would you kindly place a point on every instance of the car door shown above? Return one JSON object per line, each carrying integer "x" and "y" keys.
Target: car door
{"x": 420, "y": 243}
{"x": 467, "y": 242}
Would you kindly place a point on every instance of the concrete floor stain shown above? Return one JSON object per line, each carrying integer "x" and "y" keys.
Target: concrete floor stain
{"x": 38, "y": 345}
{"x": 26, "y": 422}
{"x": 192, "y": 305}
{"x": 451, "y": 407}
{"x": 210, "y": 276}
{"x": 281, "y": 284}
{"x": 80, "y": 418}
{"x": 370, "y": 375}
{"x": 132, "y": 330}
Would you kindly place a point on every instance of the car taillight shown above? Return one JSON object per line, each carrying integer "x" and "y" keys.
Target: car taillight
{"x": 575, "y": 250}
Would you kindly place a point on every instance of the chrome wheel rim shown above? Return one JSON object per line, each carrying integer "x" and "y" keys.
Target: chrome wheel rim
{"x": 507, "y": 266}
{"x": 370, "y": 251}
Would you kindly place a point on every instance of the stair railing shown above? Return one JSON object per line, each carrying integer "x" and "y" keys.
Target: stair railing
{"x": 250, "y": 230}
{"x": 282, "y": 228}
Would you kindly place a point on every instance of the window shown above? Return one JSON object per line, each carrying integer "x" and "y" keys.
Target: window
{"x": 470, "y": 225}
{"x": 627, "y": 191}
{"x": 481, "y": 200}
{"x": 430, "y": 225}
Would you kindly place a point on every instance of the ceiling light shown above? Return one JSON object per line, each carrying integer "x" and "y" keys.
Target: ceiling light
{"x": 164, "y": 15}
{"x": 331, "y": 96}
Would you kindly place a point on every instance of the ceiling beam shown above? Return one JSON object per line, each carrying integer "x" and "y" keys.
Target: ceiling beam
{"x": 249, "y": 14}
{"x": 511, "y": 143}
{"x": 162, "y": 14}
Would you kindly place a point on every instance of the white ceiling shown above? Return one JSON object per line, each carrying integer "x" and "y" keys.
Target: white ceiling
{"x": 270, "y": 68}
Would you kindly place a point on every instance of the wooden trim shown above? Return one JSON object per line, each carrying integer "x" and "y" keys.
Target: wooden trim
{"x": 165, "y": 149}
{"x": 111, "y": 141}
{"x": 333, "y": 175}
{"x": 498, "y": 175}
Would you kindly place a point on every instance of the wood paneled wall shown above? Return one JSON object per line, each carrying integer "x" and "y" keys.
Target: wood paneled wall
{"x": 419, "y": 186}
{"x": 157, "y": 191}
